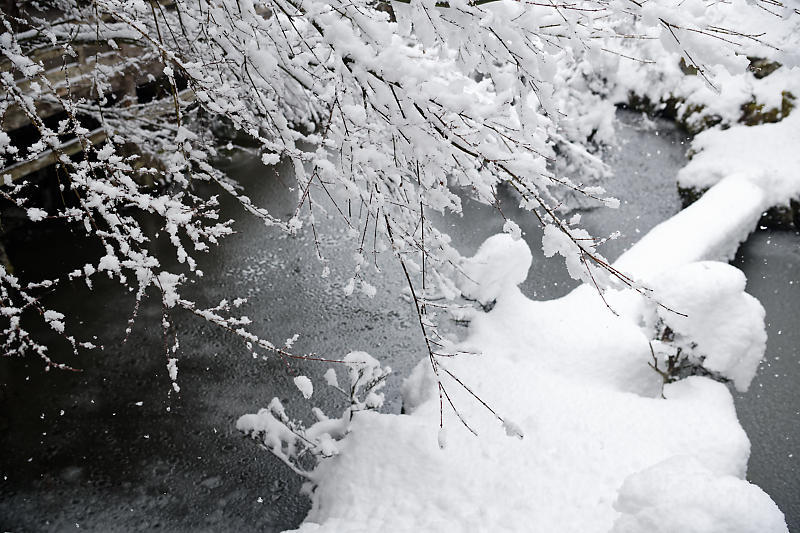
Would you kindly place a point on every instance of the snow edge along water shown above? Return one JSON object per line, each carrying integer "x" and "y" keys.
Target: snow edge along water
{"x": 603, "y": 451}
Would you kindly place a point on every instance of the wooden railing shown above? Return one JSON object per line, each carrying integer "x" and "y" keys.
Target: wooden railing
{"x": 74, "y": 79}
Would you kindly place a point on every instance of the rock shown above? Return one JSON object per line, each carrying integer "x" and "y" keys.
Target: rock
{"x": 781, "y": 217}
{"x": 754, "y": 113}
{"x": 761, "y": 68}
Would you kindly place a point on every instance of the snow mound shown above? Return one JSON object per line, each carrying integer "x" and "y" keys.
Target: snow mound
{"x": 554, "y": 335}
{"x": 682, "y": 495}
{"x": 501, "y": 262}
{"x": 766, "y": 155}
{"x": 580, "y": 445}
{"x": 305, "y": 386}
{"x": 724, "y": 326}
{"x": 710, "y": 229}
{"x": 576, "y": 380}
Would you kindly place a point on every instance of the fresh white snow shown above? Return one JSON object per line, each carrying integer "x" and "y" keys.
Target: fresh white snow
{"x": 602, "y": 450}
{"x": 305, "y": 386}
{"x": 606, "y": 446}
{"x": 767, "y": 155}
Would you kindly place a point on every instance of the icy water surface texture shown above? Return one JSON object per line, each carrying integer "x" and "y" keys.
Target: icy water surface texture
{"x": 770, "y": 410}
{"x": 111, "y": 449}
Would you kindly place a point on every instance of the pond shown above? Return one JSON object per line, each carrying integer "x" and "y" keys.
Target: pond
{"x": 112, "y": 449}
{"x": 770, "y": 410}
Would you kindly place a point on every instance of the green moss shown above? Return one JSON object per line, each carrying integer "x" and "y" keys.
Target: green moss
{"x": 754, "y": 113}
{"x": 693, "y": 119}
{"x": 761, "y": 68}
{"x": 689, "y": 70}
{"x": 642, "y": 103}
{"x": 689, "y": 195}
{"x": 670, "y": 108}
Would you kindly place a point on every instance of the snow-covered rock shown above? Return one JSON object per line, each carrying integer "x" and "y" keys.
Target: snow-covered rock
{"x": 710, "y": 229}
{"x": 502, "y": 262}
{"x": 574, "y": 379}
{"x": 720, "y": 323}
{"x": 766, "y": 155}
{"x": 682, "y": 495}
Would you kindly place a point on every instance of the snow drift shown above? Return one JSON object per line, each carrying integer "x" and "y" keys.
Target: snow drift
{"x": 603, "y": 449}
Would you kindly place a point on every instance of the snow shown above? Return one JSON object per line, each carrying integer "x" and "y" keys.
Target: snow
{"x": 305, "y": 386}
{"x": 711, "y": 228}
{"x": 766, "y": 155}
{"x": 108, "y": 262}
{"x": 587, "y": 436}
{"x": 330, "y": 378}
{"x": 172, "y": 369}
{"x": 580, "y": 446}
{"x": 36, "y": 214}
{"x": 268, "y": 422}
{"x": 607, "y": 446}
{"x": 709, "y": 503}
{"x": 55, "y": 319}
{"x": 601, "y": 449}
{"x": 291, "y": 441}
{"x": 502, "y": 262}
{"x": 723, "y": 324}
{"x": 725, "y": 87}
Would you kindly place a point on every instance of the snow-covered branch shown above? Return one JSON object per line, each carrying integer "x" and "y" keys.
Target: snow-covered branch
{"x": 390, "y": 111}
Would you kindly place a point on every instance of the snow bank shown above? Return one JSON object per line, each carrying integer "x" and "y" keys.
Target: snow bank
{"x": 580, "y": 445}
{"x": 767, "y": 155}
{"x": 603, "y": 450}
{"x": 707, "y": 503}
{"x": 724, "y": 326}
{"x": 574, "y": 336}
{"x": 710, "y": 229}
{"x": 725, "y": 91}
{"x": 607, "y": 446}
{"x": 501, "y": 262}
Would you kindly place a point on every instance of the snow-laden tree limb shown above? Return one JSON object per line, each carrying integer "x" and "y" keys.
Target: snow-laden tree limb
{"x": 387, "y": 111}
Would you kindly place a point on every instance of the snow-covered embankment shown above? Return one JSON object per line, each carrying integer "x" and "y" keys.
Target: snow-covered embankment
{"x": 602, "y": 449}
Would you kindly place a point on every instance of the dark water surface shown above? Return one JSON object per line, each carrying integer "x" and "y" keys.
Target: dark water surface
{"x": 112, "y": 449}
{"x": 770, "y": 410}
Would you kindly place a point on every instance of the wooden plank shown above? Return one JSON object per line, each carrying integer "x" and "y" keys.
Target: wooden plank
{"x": 165, "y": 106}
{"x": 81, "y": 82}
{"x": 50, "y": 157}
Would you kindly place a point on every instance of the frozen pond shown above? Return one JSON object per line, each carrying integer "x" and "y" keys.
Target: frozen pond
{"x": 110, "y": 449}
